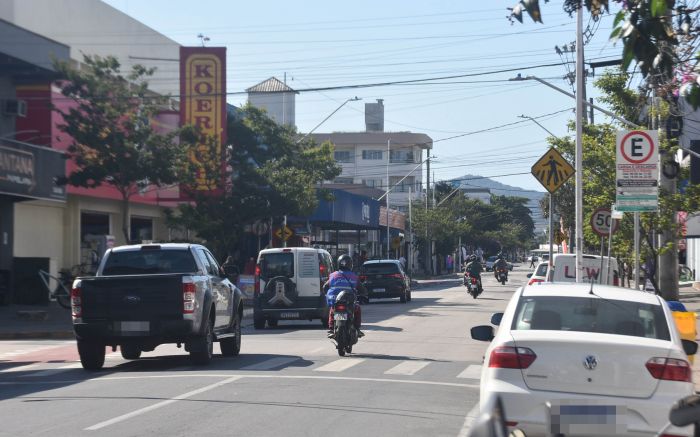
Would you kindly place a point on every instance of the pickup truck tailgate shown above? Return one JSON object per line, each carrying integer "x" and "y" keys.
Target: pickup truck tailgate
{"x": 139, "y": 297}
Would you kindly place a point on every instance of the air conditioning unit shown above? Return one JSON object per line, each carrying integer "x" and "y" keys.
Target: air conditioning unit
{"x": 14, "y": 108}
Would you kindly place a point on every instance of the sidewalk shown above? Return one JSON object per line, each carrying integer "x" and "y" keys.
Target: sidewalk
{"x": 35, "y": 321}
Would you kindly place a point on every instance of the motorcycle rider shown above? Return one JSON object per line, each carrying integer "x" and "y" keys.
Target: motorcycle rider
{"x": 499, "y": 264}
{"x": 474, "y": 269}
{"x": 344, "y": 279}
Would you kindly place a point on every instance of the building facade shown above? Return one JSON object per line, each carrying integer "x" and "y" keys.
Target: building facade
{"x": 275, "y": 97}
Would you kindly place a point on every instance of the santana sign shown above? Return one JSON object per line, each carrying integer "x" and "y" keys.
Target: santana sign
{"x": 203, "y": 104}
{"x": 31, "y": 171}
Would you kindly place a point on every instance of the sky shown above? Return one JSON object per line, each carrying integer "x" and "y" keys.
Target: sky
{"x": 473, "y": 116}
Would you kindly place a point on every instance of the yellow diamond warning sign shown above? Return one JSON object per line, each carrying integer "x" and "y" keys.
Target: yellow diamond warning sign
{"x": 552, "y": 170}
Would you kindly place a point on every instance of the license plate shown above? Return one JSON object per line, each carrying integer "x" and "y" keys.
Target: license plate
{"x": 289, "y": 315}
{"x": 340, "y": 316}
{"x": 587, "y": 419}
{"x": 379, "y": 290}
{"x": 133, "y": 327}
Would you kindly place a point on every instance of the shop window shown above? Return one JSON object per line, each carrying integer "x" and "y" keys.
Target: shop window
{"x": 141, "y": 229}
{"x": 93, "y": 224}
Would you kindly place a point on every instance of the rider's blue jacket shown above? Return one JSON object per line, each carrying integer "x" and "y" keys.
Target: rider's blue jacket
{"x": 338, "y": 281}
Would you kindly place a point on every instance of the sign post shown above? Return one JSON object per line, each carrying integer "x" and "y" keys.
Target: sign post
{"x": 637, "y": 178}
{"x": 552, "y": 170}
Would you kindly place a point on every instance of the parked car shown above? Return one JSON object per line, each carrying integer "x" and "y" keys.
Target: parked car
{"x": 386, "y": 278}
{"x": 600, "y": 360}
{"x": 540, "y": 274}
{"x": 150, "y": 294}
{"x": 289, "y": 285}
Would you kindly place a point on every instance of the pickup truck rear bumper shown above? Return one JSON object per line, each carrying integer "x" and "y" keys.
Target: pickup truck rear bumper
{"x": 160, "y": 331}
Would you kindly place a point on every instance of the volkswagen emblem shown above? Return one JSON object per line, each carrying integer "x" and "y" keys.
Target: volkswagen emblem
{"x": 590, "y": 362}
{"x": 132, "y": 300}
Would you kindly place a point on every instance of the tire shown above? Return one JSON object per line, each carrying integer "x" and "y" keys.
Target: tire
{"x": 402, "y": 298}
{"x": 348, "y": 349}
{"x": 130, "y": 352}
{"x": 272, "y": 323}
{"x": 203, "y": 346}
{"x": 408, "y": 297}
{"x": 92, "y": 354}
{"x": 231, "y": 346}
{"x": 341, "y": 351}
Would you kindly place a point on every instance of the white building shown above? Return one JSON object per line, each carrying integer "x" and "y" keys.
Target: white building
{"x": 366, "y": 157}
{"x": 276, "y": 98}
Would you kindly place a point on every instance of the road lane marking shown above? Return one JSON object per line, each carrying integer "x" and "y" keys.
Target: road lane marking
{"x": 407, "y": 368}
{"x": 250, "y": 375}
{"x": 161, "y": 404}
{"x": 473, "y": 371}
{"x": 271, "y": 363}
{"x": 21, "y": 368}
{"x": 54, "y": 371}
{"x": 340, "y": 365}
{"x": 471, "y": 417}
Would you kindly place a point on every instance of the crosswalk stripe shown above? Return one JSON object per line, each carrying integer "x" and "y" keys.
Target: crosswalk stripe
{"x": 473, "y": 371}
{"x": 407, "y": 368}
{"x": 339, "y": 365}
{"x": 271, "y": 363}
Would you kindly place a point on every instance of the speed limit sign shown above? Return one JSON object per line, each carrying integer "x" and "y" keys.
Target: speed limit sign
{"x": 601, "y": 220}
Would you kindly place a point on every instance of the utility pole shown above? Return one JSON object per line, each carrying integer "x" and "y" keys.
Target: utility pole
{"x": 388, "y": 185}
{"x": 428, "y": 243}
{"x": 580, "y": 111}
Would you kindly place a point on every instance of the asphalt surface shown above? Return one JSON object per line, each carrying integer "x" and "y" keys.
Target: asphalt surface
{"x": 415, "y": 373}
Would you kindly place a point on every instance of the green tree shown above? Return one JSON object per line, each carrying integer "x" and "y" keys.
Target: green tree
{"x": 112, "y": 138}
{"x": 269, "y": 173}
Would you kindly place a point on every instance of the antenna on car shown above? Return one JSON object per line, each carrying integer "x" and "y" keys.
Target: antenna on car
{"x": 591, "y": 290}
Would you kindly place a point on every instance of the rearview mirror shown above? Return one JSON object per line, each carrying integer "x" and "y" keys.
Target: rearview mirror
{"x": 690, "y": 347}
{"x": 496, "y": 318}
{"x": 685, "y": 411}
{"x": 529, "y": 275}
{"x": 482, "y": 333}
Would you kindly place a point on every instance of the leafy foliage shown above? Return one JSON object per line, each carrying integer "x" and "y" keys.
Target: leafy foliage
{"x": 109, "y": 122}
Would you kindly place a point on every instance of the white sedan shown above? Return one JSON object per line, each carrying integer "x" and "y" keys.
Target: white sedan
{"x": 572, "y": 360}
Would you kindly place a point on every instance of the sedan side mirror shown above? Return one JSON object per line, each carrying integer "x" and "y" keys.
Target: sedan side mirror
{"x": 690, "y": 347}
{"x": 482, "y": 333}
{"x": 529, "y": 275}
{"x": 496, "y": 318}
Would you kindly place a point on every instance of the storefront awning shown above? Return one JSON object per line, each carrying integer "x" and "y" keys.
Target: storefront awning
{"x": 346, "y": 212}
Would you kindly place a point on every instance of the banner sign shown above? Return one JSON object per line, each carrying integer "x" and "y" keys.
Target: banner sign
{"x": 637, "y": 171}
{"x": 31, "y": 171}
{"x": 203, "y": 104}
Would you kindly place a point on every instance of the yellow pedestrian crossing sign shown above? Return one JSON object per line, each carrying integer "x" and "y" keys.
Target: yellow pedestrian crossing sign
{"x": 284, "y": 233}
{"x": 552, "y": 170}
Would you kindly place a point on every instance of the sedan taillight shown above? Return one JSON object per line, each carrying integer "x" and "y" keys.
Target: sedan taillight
{"x": 394, "y": 275}
{"x": 510, "y": 357}
{"x": 669, "y": 369}
{"x": 534, "y": 281}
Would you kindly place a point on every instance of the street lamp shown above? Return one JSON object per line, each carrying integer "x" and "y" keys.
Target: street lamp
{"x": 352, "y": 99}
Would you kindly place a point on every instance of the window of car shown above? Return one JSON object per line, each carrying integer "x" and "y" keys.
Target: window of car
{"x": 598, "y": 315}
{"x": 136, "y": 262}
{"x": 277, "y": 264}
{"x": 380, "y": 268}
{"x": 541, "y": 269}
{"x": 208, "y": 268}
{"x": 216, "y": 270}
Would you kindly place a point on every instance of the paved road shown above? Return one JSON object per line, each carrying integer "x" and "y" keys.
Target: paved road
{"x": 414, "y": 374}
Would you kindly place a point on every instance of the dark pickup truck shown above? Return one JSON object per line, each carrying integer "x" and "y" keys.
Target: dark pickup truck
{"x": 146, "y": 295}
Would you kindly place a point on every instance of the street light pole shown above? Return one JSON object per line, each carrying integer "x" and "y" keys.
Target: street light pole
{"x": 579, "y": 142}
{"x": 352, "y": 99}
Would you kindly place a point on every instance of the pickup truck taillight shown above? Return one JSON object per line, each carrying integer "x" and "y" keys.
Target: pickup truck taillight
{"x": 189, "y": 290}
{"x": 76, "y": 301}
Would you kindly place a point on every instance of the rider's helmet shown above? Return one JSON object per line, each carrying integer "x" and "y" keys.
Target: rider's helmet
{"x": 344, "y": 262}
{"x": 499, "y": 256}
{"x": 472, "y": 258}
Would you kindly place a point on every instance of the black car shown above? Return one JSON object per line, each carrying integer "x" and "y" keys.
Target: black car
{"x": 386, "y": 278}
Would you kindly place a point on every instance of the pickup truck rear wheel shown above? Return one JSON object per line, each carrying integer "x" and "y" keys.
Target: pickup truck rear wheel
{"x": 231, "y": 346}
{"x": 130, "y": 352}
{"x": 92, "y": 354}
{"x": 202, "y": 347}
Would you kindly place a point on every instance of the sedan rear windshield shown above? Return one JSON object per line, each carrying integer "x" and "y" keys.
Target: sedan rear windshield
{"x": 380, "y": 268}
{"x": 582, "y": 314}
{"x": 138, "y": 262}
{"x": 277, "y": 264}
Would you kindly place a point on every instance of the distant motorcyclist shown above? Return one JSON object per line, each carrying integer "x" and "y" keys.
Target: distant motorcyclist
{"x": 500, "y": 264}
{"x": 474, "y": 269}
{"x": 344, "y": 279}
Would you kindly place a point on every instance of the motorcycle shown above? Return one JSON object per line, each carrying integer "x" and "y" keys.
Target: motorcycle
{"x": 344, "y": 331}
{"x": 502, "y": 275}
{"x": 472, "y": 284}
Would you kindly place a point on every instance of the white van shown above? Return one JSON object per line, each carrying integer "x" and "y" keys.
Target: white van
{"x": 289, "y": 285}
{"x": 565, "y": 269}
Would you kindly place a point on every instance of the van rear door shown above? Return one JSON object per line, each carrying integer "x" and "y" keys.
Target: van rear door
{"x": 308, "y": 273}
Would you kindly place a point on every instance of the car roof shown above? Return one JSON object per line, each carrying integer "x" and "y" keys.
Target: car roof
{"x": 291, "y": 250}
{"x": 163, "y": 246}
{"x": 584, "y": 290}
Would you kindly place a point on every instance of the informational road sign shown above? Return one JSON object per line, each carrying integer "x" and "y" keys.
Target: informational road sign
{"x": 637, "y": 171}
{"x": 601, "y": 220}
{"x": 260, "y": 228}
{"x": 552, "y": 170}
{"x": 284, "y": 233}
